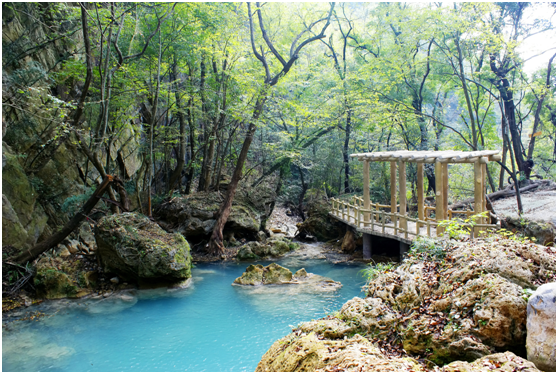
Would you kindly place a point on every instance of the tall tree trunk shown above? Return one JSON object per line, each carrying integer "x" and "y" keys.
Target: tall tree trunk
{"x": 346, "y": 149}
{"x": 180, "y": 159}
{"x": 216, "y": 241}
{"x": 536, "y": 122}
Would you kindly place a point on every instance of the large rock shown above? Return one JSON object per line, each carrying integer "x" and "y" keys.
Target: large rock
{"x": 194, "y": 215}
{"x": 256, "y": 275}
{"x": 272, "y": 247}
{"x": 309, "y": 352}
{"x": 541, "y": 327}
{"x": 447, "y": 301}
{"x": 543, "y": 232}
{"x": 319, "y": 224}
{"x": 133, "y": 247}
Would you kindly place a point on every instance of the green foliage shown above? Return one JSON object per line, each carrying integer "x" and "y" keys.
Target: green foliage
{"x": 432, "y": 248}
{"x": 72, "y": 204}
{"x": 374, "y": 270}
{"x": 456, "y": 228}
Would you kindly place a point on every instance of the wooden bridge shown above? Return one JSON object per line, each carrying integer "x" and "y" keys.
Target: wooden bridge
{"x": 392, "y": 221}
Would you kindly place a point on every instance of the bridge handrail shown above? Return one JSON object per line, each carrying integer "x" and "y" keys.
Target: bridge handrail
{"x": 369, "y": 217}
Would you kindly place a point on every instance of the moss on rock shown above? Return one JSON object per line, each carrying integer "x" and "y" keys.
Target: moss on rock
{"x": 136, "y": 248}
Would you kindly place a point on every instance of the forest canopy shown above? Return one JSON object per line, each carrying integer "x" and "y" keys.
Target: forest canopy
{"x": 176, "y": 97}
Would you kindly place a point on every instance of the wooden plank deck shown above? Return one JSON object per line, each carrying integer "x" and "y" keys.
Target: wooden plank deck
{"x": 387, "y": 230}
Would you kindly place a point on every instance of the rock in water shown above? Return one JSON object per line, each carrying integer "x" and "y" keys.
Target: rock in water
{"x": 541, "y": 327}
{"x": 252, "y": 276}
{"x": 271, "y": 274}
{"x": 276, "y": 274}
{"x": 135, "y": 248}
{"x": 301, "y": 273}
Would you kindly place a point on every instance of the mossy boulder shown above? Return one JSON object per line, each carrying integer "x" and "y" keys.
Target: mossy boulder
{"x": 135, "y": 248}
{"x": 252, "y": 276}
{"x": 543, "y": 232}
{"x": 256, "y": 275}
{"x": 276, "y": 274}
{"x": 194, "y": 215}
{"x": 272, "y": 247}
{"x": 61, "y": 277}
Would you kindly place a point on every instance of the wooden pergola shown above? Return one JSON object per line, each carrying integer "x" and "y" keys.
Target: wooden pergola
{"x": 440, "y": 159}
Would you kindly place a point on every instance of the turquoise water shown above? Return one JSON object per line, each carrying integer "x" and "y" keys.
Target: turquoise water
{"x": 211, "y": 326}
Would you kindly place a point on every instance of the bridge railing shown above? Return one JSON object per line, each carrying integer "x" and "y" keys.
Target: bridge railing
{"x": 377, "y": 219}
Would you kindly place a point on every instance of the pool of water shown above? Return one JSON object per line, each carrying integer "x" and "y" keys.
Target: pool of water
{"x": 210, "y": 326}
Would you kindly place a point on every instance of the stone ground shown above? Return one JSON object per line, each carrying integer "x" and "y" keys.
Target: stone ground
{"x": 539, "y": 205}
{"x": 282, "y": 220}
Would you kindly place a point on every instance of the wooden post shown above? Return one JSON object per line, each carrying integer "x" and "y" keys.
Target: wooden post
{"x": 377, "y": 214}
{"x": 402, "y": 196}
{"x": 446, "y": 188}
{"x": 420, "y": 193}
{"x": 439, "y": 196}
{"x": 393, "y": 183}
{"x": 366, "y": 190}
{"x": 478, "y": 192}
{"x": 484, "y": 208}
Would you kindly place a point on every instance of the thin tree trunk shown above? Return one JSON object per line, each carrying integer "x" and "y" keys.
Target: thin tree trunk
{"x": 216, "y": 241}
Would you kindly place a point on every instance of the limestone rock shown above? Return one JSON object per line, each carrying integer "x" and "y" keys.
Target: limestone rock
{"x": 194, "y": 215}
{"x": 58, "y": 278}
{"x": 499, "y": 362}
{"x": 301, "y": 273}
{"x": 319, "y": 224}
{"x": 306, "y": 352}
{"x": 543, "y": 232}
{"x": 272, "y": 247}
{"x": 541, "y": 327}
{"x": 135, "y": 248}
{"x": 252, "y": 276}
{"x": 447, "y": 301}
{"x": 276, "y": 274}
{"x": 23, "y": 219}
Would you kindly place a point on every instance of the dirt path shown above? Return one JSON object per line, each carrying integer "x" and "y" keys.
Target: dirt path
{"x": 537, "y": 205}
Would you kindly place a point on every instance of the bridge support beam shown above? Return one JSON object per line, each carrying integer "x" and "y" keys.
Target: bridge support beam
{"x": 403, "y": 249}
{"x": 366, "y": 246}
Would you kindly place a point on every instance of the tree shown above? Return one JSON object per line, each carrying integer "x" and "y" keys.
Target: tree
{"x": 216, "y": 240}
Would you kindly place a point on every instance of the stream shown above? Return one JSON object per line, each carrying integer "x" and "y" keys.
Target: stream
{"x": 210, "y": 326}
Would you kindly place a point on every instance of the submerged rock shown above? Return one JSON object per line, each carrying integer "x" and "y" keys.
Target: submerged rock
{"x": 135, "y": 248}
{"x": 541, "y": 327}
